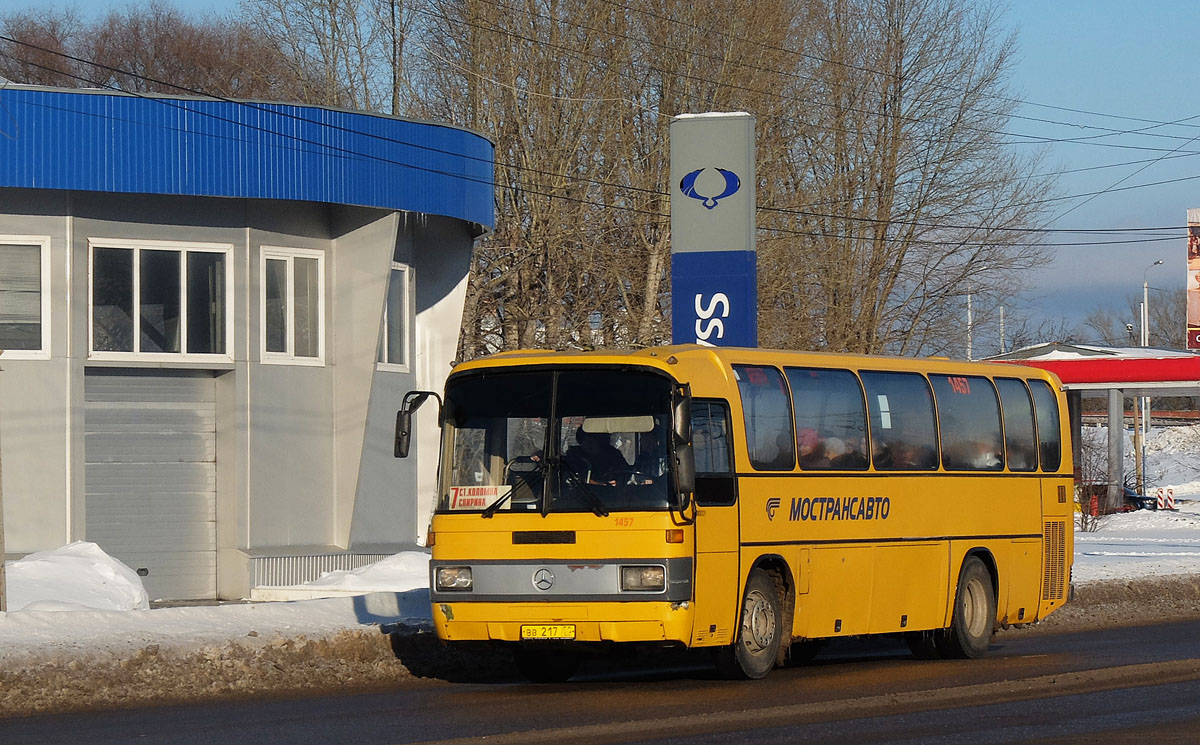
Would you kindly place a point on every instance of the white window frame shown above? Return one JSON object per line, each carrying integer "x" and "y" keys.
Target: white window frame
{"x": 382, "y": 363}
{"x": 44, "y": 242}
{"x": 290, "y": 255}
{"x": 183, "y": 248}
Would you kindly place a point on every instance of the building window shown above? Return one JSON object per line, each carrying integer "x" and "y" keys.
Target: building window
{"x": 25, "y": 297}
{"x": 158, "y": 299}
{"x": 293, "y": 306}
{"x": 393, "y": 340}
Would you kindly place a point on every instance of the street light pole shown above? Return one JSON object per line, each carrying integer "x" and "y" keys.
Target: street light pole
{"x": 1143, "y": 402}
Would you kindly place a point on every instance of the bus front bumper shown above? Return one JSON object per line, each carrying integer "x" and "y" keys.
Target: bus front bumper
{"x": 579, "y": 622}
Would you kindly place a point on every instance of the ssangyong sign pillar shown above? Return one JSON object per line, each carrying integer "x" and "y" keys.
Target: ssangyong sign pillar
{"x": 714, "y": 282}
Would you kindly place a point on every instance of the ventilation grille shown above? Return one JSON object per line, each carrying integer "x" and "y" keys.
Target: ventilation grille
{"x": 277, "y": 571}
{"x": 1055, "y": 542}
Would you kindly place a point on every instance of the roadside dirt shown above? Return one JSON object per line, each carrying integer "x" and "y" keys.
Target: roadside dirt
{"x": 369, "y": 660}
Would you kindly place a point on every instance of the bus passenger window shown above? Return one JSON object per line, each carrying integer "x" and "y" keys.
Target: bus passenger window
{"x": 831, "y": 419}
{"x": 969, "y": 422}
{"x": 768, "y": 418}
{"x": 1019, "y": 436}
{"x": 1045, "y": 403}
{"x": 903, "y": 434}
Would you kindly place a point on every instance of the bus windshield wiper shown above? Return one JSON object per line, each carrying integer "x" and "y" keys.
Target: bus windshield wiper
{"x": 595, "y": 504}
{"x": 492, "y": 508}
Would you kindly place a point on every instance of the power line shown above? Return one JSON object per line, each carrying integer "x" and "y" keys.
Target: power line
{"x": 519, "y": 188}
{"x": 860, "y": 68}
{"x": 1027, "y": 139}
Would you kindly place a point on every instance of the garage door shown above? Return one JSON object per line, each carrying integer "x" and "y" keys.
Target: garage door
{"x": 150, "y": 476}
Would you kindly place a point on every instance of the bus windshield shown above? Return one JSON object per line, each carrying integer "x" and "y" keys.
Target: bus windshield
{"x": 556, "y": 441}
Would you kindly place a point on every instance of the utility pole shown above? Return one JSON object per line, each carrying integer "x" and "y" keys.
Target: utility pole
{"x": 3, "y": 586}
{"x": 970, "y": 326}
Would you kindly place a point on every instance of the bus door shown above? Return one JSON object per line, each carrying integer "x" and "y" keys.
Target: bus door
{"x": 717, "y": 535}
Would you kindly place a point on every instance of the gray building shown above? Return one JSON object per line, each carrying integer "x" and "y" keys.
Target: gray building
{"x": 210, "y": 312}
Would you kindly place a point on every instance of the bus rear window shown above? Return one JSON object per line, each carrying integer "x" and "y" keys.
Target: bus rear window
{"x": 1019, "y": 434}
{"x": 1045, "y": 403}
{"x": 968, "y": 422}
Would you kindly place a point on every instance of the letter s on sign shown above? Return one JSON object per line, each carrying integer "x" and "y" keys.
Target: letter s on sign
{"x": 704, "y": 331}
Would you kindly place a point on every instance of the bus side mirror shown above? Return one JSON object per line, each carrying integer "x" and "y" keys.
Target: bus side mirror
{"x": 412, "y": 402}
{"x": 681, "y": 434}
{"x": 685, "y": 468}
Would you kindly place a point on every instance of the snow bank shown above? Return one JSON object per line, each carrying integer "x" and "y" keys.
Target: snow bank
{"x": 407, "y": 570}
{"x": 78, "y": 576}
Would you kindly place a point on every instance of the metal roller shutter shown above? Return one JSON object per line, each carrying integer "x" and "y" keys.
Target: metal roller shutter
{"x": 150, "y": 476}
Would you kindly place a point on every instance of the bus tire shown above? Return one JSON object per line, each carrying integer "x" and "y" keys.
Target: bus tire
{"x": 974, "y": 617}
{"x": 546, "y": 665}
{"x": 755, "y": 650}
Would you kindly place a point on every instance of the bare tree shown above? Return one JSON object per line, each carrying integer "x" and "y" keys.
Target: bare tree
{"x": 47, "y": 34}
{"x": 150, "y": 48}
{"x": 349, "y": 53}
{"x": 904, "y": 199}
{"x": 1167, "y": 327}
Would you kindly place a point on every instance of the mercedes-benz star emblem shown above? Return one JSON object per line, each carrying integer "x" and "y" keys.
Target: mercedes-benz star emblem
{"x": 543, "y": 579}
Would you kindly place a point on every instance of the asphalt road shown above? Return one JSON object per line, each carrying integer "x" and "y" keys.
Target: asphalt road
{"x": 1139, "y": 684}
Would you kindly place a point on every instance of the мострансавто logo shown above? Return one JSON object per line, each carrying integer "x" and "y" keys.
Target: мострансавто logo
{"x": 687, "y": 185}
{"x": 833, "y": 508}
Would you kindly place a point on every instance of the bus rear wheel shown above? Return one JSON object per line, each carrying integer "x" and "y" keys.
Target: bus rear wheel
{"x": 546, "y": 665}
{"x": 756, "y": 648}
{"x": 974, "y": 618}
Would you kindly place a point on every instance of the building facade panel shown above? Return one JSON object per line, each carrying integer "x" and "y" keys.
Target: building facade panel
{"x": 174, "y": 440}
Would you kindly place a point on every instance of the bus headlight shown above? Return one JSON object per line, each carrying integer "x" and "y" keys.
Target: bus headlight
{"x": 453, "y": 579}
{"x": 643, "y": 579}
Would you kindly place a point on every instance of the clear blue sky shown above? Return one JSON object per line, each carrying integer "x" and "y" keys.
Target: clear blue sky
{"x": 1133, "y": 59}
{"x": 1115, "y": 57}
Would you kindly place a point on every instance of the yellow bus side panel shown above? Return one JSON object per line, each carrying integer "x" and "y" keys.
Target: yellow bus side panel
{"x": 839, "y": 597}
{"x": 1023, "y": 582}
{"x": 909, "y": 591}
{"x": 717, "y": 592}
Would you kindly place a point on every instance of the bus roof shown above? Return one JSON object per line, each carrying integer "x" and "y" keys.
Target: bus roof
{"x": 691, "y": 356}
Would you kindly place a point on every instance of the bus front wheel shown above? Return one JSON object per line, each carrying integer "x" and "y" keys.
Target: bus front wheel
{"x": 974, "y": 617}
{"x": 756, "y": 648}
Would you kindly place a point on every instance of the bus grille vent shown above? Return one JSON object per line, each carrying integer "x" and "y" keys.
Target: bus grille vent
{"x": 1054, "y": 580}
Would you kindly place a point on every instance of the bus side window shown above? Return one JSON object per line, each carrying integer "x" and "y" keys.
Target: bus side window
{"x": 768, "y": 417}
{"x": 1019, "y": 434}
{"x": 969, "y": 423}
{"x": 903, "y": 431}
{"x": 716, "y": 483}
{"x": 831, "y": 418}
{"x": 1045, "y": 403}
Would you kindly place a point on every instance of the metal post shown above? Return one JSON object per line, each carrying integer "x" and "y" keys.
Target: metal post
{"x": 1116, "y": 438}
{"x": 3, "y": 586}
{"x": 970, "y": 326}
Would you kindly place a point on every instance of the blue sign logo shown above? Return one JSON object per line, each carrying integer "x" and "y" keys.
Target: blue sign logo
{"x": 688, "y": 186}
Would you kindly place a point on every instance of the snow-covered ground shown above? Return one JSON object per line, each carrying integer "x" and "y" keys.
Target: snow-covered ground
{"x": 76, "y": 598}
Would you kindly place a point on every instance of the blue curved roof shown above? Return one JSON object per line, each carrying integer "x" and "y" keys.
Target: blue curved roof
{"x": 96, "y": 141}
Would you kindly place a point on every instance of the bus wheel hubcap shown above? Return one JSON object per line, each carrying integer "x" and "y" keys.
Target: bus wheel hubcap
{"x": 758, "y": 624}
{"x": 974, "y": 608}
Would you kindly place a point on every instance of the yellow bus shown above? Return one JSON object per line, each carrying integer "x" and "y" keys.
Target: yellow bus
{"x": 747, "y": 500}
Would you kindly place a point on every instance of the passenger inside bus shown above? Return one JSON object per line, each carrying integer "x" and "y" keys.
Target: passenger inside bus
{"x": 595, "y": 459}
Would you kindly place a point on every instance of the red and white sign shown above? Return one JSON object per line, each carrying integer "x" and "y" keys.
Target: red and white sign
{"x": 1193, "y": 280}
{"x": 475, "y": 497}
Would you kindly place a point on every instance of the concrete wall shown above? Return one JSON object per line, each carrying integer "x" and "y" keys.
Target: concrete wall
{"x": 35, "y": 420}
